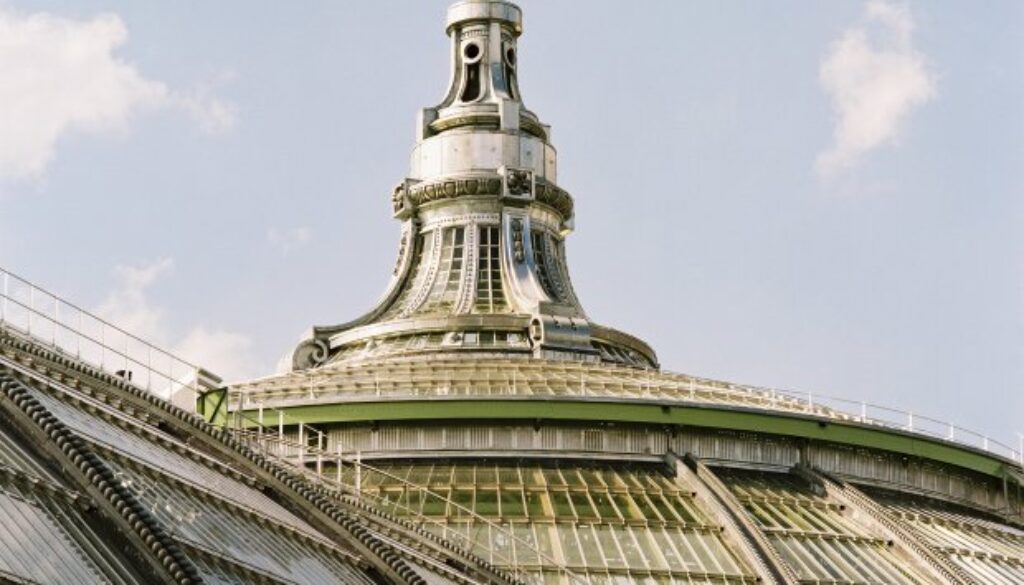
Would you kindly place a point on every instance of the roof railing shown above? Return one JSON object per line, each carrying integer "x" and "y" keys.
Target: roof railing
{"x": 580, "y": 381}
{"x": 65, "y": 327}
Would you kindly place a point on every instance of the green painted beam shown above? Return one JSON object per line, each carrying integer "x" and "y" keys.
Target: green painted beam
{"x": 773, "y": 423}
{"x": 212, "y": 406}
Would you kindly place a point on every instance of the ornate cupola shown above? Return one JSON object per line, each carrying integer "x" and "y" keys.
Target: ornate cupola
{"x": 481, "y": 263}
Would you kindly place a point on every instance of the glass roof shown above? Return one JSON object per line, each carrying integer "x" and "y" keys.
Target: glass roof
{"x": 35, "y": 543}
{"x": 603, "y": 523}
{"x": 818, "y": 538}
{"x": 990, "y": 551}
{"x": 218, "y": 511}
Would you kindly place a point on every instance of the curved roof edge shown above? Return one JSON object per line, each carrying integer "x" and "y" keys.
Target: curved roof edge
{"x": 735, "y": 418}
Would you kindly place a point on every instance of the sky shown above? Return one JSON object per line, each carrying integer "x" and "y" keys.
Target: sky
{"x": 825, "y": 197}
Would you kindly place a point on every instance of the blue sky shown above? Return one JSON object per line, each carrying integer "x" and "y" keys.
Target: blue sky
{"x": 807, "y": 195}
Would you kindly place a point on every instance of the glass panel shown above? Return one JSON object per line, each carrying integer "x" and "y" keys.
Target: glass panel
{"x": 33, "y": 546}
{"x": 512, "y": 505}
{"x": 540, "y": 261}
{"x": 234, "y": 534}
{"x": 585, "y": 516}
{"x": 445, "y": 287}
{"x": 570, "y": 545}
{"x": 490, "y": 296}
{"x": 487, "y": 503}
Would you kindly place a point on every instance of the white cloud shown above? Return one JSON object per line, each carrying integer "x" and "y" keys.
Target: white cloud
{"x": 213, "y": 115}
{"x": 225, "y": 353}
{"x": 289, "y": 240}
{"x": 875, "y": 78}
{"x": 62, "y": 76}
{"x": 128, "y": 307}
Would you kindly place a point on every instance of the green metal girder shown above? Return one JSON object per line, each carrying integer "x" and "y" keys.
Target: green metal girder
{"x": 212, "y": 406}
{"x": 772, "y": 423}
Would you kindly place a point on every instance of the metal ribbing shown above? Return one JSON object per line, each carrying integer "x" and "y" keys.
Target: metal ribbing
{"x": 377, "y": 552}
{"x": 159, "y": 549}
{"x": 767, "y": 558}
{"x": 900, "y": 532}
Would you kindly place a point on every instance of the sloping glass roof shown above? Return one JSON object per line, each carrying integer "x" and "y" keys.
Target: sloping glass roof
{"x": 166, "y": 492}
{"x": 987, "y": 550}
{"x": 817, "y": 537}
{"x": 605, "y": 523}
{"x": 38, "y": 541}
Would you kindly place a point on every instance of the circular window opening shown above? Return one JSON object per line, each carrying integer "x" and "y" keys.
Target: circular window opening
{"x": 510, "y": 56}
{"x": 471, "y": 51}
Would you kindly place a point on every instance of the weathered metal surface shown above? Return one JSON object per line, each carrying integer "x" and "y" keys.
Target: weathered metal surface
{"x": 482, "y": 161}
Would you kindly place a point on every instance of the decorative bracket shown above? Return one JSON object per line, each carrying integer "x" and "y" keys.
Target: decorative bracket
{"x": 518, "y": 184}
{"x": 402, "y": 205}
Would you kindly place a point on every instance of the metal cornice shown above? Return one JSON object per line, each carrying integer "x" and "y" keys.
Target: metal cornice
{"x": 485, "y": 121}
{"x": 616, "y": 337}
{"x": 430, "y": 325}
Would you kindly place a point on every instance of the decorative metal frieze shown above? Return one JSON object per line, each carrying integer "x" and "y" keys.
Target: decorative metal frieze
{"x": 461, "y": 219}
{"x": 424, "y": 285}
{"x": 402, "y": 247}
{"x": 473, "y": 33}
{"x": 452, "y": 188}
{"x": 518, "y": 251}
{"x": 428, "y": 192}
{"x": 470, "y": 271}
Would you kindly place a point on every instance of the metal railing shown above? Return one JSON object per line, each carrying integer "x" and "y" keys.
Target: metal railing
{"x": 836, "y": 408}
{"x": 457, "y": 525}
{"x": 584, "y": 381}
{"x": 65, "y": 327}
{"x": 896, "y": 419}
